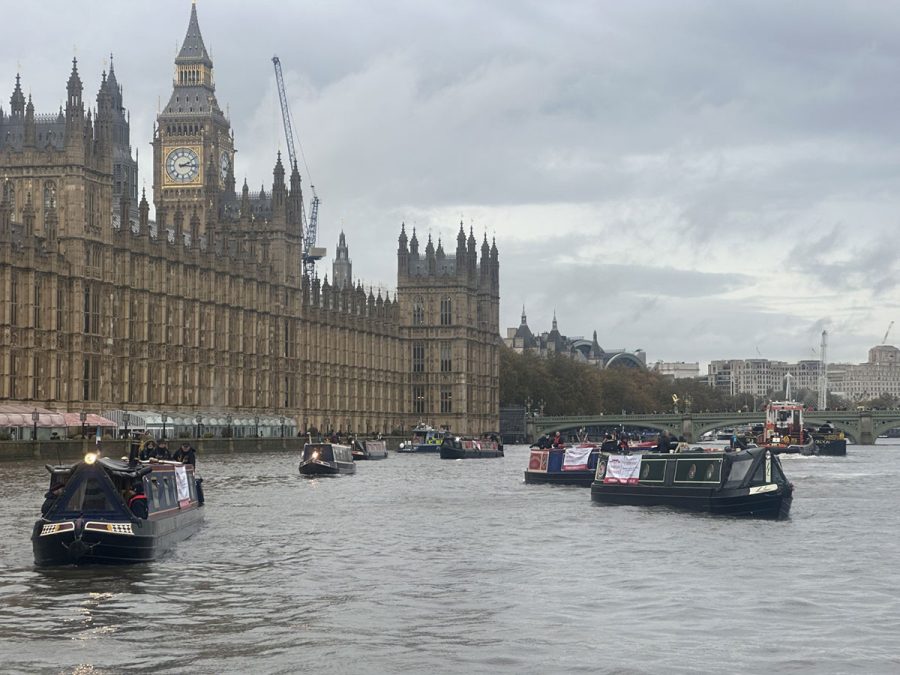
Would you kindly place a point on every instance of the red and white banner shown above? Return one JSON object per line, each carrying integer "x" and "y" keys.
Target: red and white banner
{"x": 576, "y": 459}
{"x": 623, "y": 469}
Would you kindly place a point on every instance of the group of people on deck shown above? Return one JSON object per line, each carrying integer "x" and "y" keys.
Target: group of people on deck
{"x": 150, "y": 449}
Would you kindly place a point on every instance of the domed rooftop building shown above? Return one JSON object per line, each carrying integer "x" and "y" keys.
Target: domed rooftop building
{"x": 522, "y": 340}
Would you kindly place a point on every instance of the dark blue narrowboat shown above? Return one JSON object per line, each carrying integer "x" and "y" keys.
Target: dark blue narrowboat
{"x": 748, "y": 482}
{"x": 109, "y": 511}
{"x": 573, "y": 465}
{"x": 326, "y": 459}
{"x": 454, "y": 447}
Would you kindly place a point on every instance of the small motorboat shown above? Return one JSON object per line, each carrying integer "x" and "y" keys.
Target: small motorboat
{"x": 326, "y": 459}
{"x": 424, "y": 439}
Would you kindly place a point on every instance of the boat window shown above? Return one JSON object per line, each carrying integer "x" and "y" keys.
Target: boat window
{"x": 653, "y": 471}
{"x": 739, "y": 471}
{"x": 161, "y": 500}
{"x": 88, "y": 495}
{"x": 170, "y": 489}
{"x": 759, "y": 476}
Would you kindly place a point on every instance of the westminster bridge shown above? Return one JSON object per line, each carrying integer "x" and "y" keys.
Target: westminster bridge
{"x": 860, "y": 426}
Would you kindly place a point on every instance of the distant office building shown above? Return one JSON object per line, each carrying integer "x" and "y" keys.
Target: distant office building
{"x": 677, "y": 369}
{"x": 760, "y": 377}
{"x": 522, "y": 340}
{"x": 856, "y": 382}
{"x": 863, "y": 381}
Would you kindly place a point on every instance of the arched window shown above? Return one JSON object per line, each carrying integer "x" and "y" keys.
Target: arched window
{"x": 446, "y": 311}
{"x": 418, "y": 317}
{"x": 9, "y": 195}
{"x": 49, "y": 194}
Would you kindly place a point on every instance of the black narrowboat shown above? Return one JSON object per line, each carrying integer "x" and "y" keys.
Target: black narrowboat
{"x": 574, "y": 465}
{"x": 109, "y": 511}
{"x": 326, "y": 459}
{"x": 454, "y": 447}
{"x": 747, "y": 482}
{"x": 368, "y": 450}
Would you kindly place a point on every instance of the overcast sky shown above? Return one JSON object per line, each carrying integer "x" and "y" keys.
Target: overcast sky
{"x": 701, "y": 180}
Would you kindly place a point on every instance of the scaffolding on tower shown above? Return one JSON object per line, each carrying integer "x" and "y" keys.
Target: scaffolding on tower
{"x": 311, "y": 252}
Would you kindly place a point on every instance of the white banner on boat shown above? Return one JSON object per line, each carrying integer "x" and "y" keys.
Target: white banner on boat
{"x": 576, "y": 459}
{"x": 181, "y": 484}
{"x": 623, "y": 469}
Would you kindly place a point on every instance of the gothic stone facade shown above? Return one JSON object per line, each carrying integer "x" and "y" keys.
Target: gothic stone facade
{"x": 207, "y": 309}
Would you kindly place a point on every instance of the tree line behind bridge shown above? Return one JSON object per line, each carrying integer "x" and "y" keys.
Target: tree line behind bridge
{"x": 565, "y": 387}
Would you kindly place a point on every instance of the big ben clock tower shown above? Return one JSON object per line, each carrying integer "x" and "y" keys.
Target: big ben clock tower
{"x": 193, "y": 149}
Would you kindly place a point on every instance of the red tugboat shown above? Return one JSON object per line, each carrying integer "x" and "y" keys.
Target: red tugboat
{"x": 784, "y": 432}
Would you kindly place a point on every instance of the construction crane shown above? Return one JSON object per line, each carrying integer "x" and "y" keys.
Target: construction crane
{"x": 311, "y": 253}
{"x": 886, "y": 333}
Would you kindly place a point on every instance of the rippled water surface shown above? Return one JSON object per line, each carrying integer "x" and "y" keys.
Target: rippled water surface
{"x": 417, "y": 564}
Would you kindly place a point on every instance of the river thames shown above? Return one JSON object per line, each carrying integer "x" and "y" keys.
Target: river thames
{"x": 422, "y": 565}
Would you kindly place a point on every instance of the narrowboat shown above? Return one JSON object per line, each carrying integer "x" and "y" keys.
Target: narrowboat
{"x": 109, "y": 511}
{"x": 492, "y": 440}
{"x": 326, "y": 459}
{"x": 746, "y": 482}
{"x": 424, "y": 439}
{"x": 368, "y": 450}
{"x": 454, "y": 447}
{"x": 784, "y": 432}
{"x": 573, "y": 465}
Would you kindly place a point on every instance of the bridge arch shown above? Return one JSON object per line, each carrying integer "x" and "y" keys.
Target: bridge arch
{"x": 626, "y": 360}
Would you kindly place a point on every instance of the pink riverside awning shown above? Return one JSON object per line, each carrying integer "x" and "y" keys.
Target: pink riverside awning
{"x": 92, "y": 420}
{"x": 24, "y": 420}
{"x": 17, "y": 415}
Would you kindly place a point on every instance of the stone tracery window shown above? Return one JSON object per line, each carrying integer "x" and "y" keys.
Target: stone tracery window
{"x": 49, "y": 194}
{"x": 418, "y": 317}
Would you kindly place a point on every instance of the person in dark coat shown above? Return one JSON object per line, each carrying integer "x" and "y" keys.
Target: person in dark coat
{"x": 137, "y": 501}
{"x": 148, "y": 451}
{"x": 162, "y": 450}
{"x": 662, "y": 444}
{"x": 186, "y": 454}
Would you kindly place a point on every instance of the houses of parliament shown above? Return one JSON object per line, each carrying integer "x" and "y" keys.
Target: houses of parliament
{"x": 207, "y": 309}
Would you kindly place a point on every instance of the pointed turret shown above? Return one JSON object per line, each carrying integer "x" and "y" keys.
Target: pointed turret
{"x": 279, "y": 191}
{"x": 192, "y": 49}
{"x": 414, "y": 244}
{"x": 30, "y": 131}
{"x": 402, "y": 240}
{"x": 74, "y": 104}
{"x": 17, "y": 101}
{"x": 430, "y": 262}
{"x": 342, "y": 268}
{"x": 144, "y": 213}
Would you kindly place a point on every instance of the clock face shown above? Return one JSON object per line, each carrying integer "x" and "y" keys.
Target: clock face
{"x": 183, "y": 165}
{"x": 224, "y": 164}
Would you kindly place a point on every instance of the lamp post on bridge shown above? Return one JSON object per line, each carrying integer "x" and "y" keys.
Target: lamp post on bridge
{"x": 35, "y": 416}
{"x": 199, "y": 421}
{"x": 83, "y": 417}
